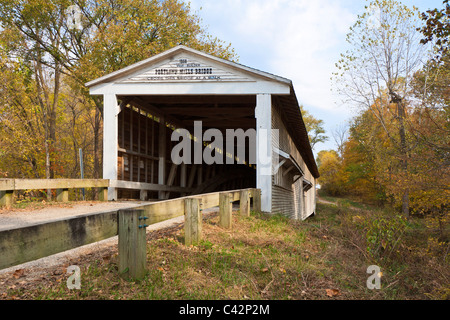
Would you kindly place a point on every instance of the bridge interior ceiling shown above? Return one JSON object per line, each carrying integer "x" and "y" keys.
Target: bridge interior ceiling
{"x": 215, "y": 111}
{"x": 144, "y": 142}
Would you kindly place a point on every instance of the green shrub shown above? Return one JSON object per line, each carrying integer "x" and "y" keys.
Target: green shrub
{"x": 383, "y": 235}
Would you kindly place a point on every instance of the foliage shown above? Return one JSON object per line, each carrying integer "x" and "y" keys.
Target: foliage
{"x": 375, "y": 75}
{"x": 262, "y": 257}
{"x": 46, "y": 112}
{"x": 383, "y": 235}
{"x": 437, "y": 27}
{"x": 332, "y": 179}
{"x": 314, "y": 127}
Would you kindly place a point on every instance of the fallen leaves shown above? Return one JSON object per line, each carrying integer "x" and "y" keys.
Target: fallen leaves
{"x": 19, "y": 273}
{"x": 332, "y": 292}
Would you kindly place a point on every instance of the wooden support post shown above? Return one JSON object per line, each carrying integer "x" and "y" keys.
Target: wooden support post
{"x": 225, "y": 210}
{"x": 162, "y": 155}
{"x": 132, "y": 244}
{"x": 257, "y": 200}
{"x": 200, "y": 175}
{"x": 193, "y": 222}
{"x": 264, "y": 146}
{"x": 183, "y": 178}
{"x": 244, "y": 203}
{"x": 62, "y": 195}
{"x": 171, "y": 179}
{"x": 192, "y": 175}
{"x": 103, "y": 194}
{"x": 143, "y": 195}
{"x": 7, "y": 198}
{"x": 110, "y": 141}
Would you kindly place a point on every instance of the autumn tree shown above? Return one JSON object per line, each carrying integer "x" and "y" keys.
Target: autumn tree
{"x": 61, "y": 58}
{"x": 376, "y": 73}
{"x": 332, "y": 180}
{"x": 437, "y": 28}
{"x": 340, "y": 135}
{"x": 314, "y": 127}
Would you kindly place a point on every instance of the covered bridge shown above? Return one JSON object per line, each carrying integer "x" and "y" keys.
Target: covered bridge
{"x": 184, "y": 90}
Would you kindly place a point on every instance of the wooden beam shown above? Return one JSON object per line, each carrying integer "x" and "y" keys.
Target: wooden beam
{"x": 172, "y": 174}
{"x": 21, "y": 245}
{"x": 129, "y": 152}
{"x": 62, "y": 195}
{"x": 157, "y": 112}
{"x": 225, "y": 210}
{"x": 103, "y": 194}
{"x": 192, "y": 175}
{"x": 200, "y": 175}
{"x": 231, "y": 124}
{"x": 164, "y": 210}
{"x": 7, "y": 184}
{"x": 183, "y": 175}
{"x": 244, "y": 203}
{"x": 171, "y": 178}
{"x": 26, "y": 184}
{"x": 211, "y": 111}
{"x": 152, "y": 180}
{"x": 7, "y": 198}
{"x": 148, "y": 186}
{"x": 202, "y": 99}
{"x": 162, "y": 155}
{"x": 257, "y": 200}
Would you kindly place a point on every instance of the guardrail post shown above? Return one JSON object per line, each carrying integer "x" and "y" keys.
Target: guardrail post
{"x": 244, "y": 203}
{"x": 103, "y": 194}
{"x": 257, "y": 200}
{"x": 7, "y": 198}
{"x": 193, "y": 222}
{"x": 132, "y": 244}
{"x": 62, "y": 195}
{"x": 225, "y": 210}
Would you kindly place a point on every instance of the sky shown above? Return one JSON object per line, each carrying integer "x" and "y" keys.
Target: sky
{"x": 296, "y": 39}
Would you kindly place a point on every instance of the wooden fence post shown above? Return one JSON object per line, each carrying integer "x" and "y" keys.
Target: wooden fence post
{"x": 7, "y": 198}
{"x": 62, "y": 195}
{"x": 103, "y": 194}
{"x": 225, "y": 210}
{"x": 132, "y": 244}
{"x": 244, "y": 203}
{"x": 193, "y": 222}
{"x": 257, "y": 200}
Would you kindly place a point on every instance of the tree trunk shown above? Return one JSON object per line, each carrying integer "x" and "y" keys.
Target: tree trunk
{"x": 403, "y": 155}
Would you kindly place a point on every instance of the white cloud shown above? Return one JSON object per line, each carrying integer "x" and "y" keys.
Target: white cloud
{"x": 296, "y": 39}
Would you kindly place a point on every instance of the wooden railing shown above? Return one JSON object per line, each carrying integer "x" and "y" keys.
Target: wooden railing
{"x": 9, "y": 186}
{"x": 22, "y": 245}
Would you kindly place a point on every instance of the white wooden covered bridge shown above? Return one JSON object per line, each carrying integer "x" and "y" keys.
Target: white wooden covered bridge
{"x": 145, "y": 102}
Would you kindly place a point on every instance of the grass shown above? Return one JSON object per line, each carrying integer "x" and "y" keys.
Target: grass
{"x": 261, "y": 257}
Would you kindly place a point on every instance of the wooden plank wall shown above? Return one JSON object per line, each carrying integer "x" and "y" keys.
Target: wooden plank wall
{"x": 138, "y": 149}
{"x": 284, "y": 197}
{"x": 138, "y": 158}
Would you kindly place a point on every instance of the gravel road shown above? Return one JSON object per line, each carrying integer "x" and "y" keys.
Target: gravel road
{"x": 22, "y": 218}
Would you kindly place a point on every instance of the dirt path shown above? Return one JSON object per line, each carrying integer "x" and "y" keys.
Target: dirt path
{"x": 325, "y": 201}
{"x": 22, "y": 218}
